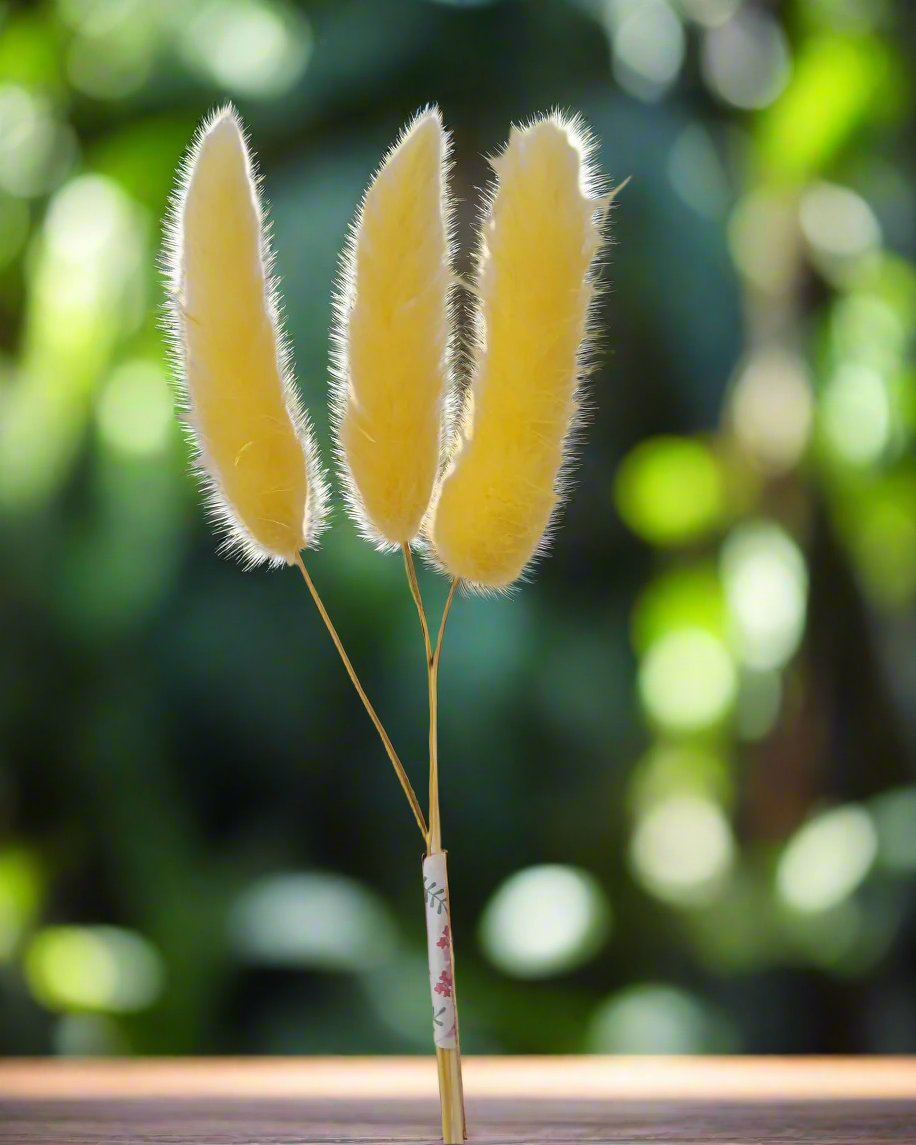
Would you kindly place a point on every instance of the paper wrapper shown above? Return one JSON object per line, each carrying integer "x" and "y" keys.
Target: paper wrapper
{"x": 439, "y": 946}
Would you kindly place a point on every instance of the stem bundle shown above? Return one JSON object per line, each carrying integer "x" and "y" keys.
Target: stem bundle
{"x": 442, "y": 969}
{"x": 435, "y": 871}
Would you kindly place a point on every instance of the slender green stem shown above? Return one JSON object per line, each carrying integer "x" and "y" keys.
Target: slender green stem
{"x": 435, "y": 820}
{"x": 417, "y": 599}
{"x": 445, "y": 612}
{"x": 351, "y": 672}
{"x": 433, "y": 654}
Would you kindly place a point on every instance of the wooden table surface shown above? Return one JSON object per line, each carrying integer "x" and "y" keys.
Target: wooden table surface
{"x": 269, "y": 1101}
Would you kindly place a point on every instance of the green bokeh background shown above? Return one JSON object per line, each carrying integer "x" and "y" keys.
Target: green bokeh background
{"x": 677, "y": 767}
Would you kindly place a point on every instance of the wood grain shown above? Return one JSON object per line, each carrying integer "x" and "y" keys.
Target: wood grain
{"x": 727, "y": 1101}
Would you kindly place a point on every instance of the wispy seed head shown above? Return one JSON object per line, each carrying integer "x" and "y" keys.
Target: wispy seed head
{"x": 392, "y": 337}
{"x": 254, "y": 443}
{"x": 540, "y": 237}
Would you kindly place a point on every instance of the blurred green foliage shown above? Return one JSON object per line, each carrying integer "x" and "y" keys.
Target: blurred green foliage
{"x": 678, "y": 768}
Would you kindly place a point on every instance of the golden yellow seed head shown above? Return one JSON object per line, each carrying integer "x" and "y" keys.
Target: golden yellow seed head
{"x": 393, "y": 337}
{"x": 254, "y": 443}
{"x": 540, "y": 236}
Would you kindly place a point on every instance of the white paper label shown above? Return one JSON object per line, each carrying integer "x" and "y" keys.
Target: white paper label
{"x": 439, "y": 947}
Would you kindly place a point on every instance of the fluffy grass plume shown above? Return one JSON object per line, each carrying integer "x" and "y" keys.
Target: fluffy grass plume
{"x": 541, "y": 233}
{"x": 255, "y": 447}
{"x": 392, "y": 337}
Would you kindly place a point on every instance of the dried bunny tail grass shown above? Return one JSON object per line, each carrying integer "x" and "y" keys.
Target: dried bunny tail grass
{"x": 392, "y": 347}
{"x": 542, "y": 232}
{"x": 256, "y": 453}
